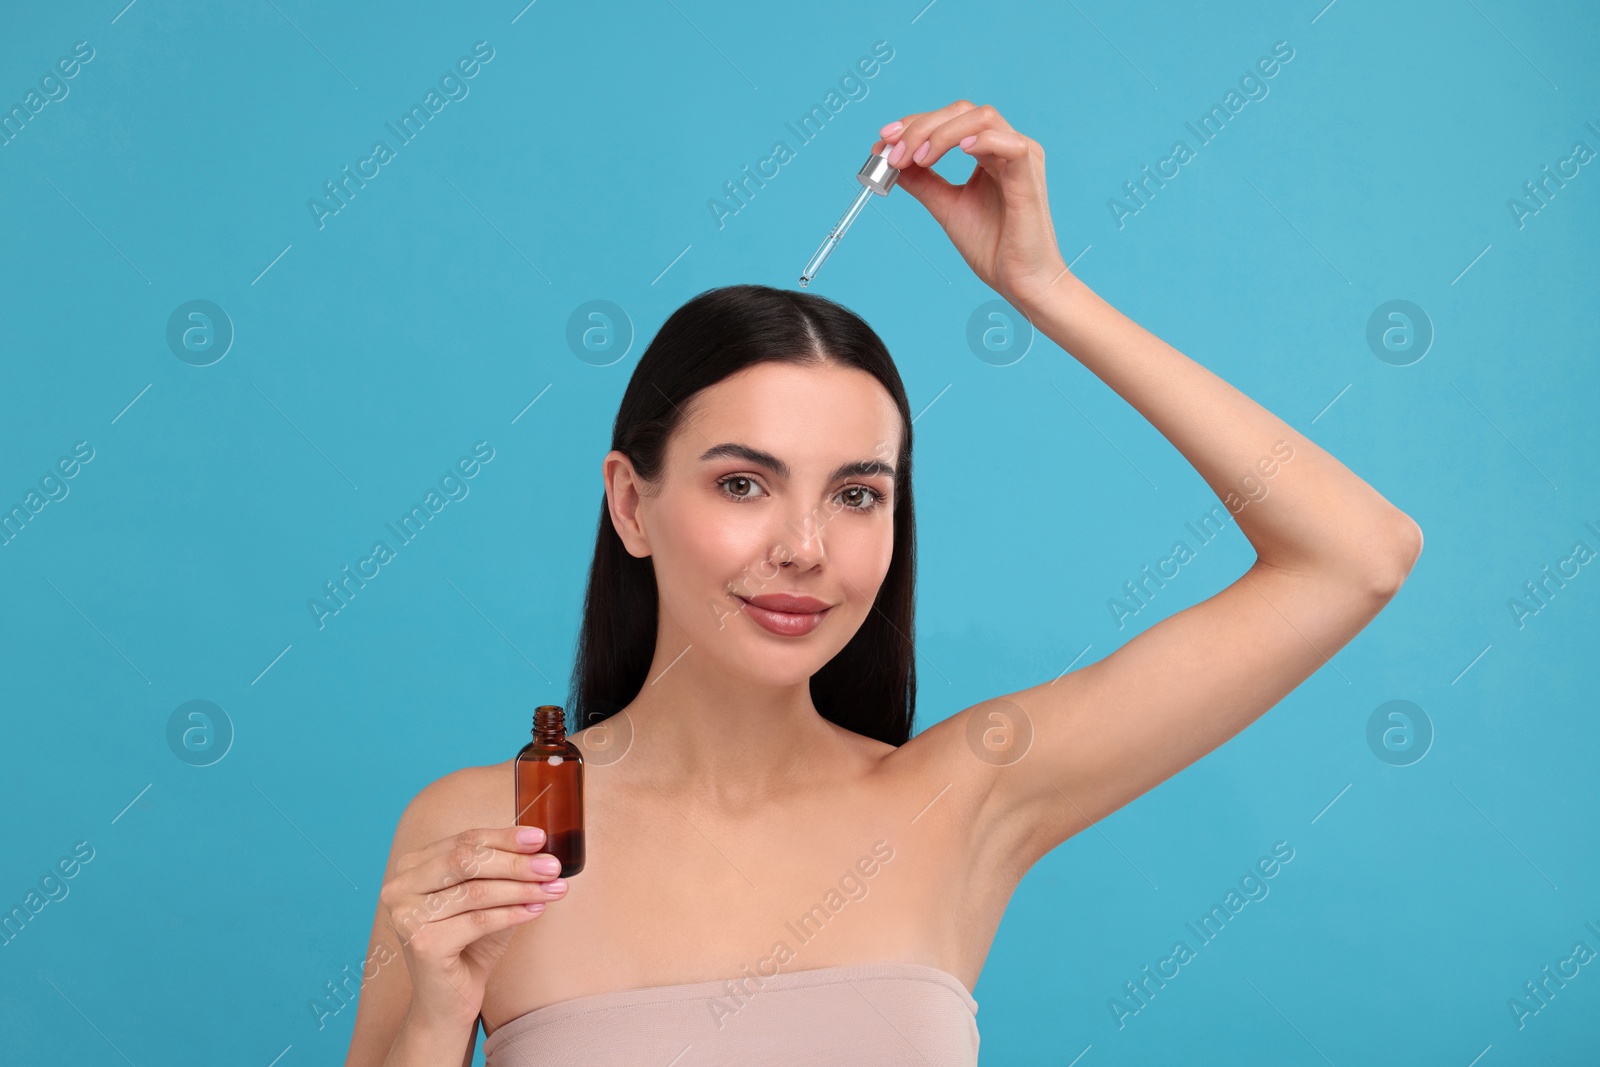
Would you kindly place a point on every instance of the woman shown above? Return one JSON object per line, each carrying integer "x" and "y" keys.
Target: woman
{"x": 773, "y": 861}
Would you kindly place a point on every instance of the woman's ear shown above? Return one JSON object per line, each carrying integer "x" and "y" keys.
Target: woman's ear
{"x": 623, "y": 499}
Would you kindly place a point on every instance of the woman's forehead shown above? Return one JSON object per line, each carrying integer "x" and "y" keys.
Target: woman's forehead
{"x": 798, "y": 413}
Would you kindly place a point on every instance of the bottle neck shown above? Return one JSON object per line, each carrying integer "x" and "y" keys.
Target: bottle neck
{"x": 550, "y": 724}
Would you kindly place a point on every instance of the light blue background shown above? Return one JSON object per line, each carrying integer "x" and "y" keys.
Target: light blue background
{"x": 432, "y": 310}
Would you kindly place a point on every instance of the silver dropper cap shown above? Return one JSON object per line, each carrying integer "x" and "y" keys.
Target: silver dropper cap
{"x": 876, "y": 173}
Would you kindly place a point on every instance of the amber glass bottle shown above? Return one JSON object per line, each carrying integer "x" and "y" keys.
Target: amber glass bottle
{"x": 549, "y": 795}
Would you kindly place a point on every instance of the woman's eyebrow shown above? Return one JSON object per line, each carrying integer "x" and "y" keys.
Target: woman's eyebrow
{"x": 861, "y": 468}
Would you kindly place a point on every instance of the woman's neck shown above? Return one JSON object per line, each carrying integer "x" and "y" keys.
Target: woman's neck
{"x": 727, "y": 742}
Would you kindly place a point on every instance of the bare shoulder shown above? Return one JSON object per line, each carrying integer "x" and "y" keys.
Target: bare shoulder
{"x": 953, "y": 750}
{"x": 462, "y": 800}
{"x": 869, "y": 749}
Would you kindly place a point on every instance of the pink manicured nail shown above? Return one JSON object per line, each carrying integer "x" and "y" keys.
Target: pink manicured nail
{"x": 969, "y": 141}
{"x": 893, "y": 128}
{"x": 922, "y": 153}
{"x": 530, "y": 835}
{"x": 898, "y": 151}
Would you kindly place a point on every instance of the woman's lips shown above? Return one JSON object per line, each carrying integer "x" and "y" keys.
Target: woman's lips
{"x": 784, "y": 623}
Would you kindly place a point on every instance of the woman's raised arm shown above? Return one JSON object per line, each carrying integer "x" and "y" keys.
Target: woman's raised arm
{"x": 1331, "y": 551}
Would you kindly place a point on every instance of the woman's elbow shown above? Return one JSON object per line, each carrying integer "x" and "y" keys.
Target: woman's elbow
{"x": 1394, "y": 563}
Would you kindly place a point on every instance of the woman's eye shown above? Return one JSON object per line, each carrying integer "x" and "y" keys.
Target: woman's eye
{"x": 739, "y": 487}
{"x": 867, "y": 498}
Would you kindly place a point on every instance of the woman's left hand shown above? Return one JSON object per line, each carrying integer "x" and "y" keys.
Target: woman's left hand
{"x": 999, "y": 220}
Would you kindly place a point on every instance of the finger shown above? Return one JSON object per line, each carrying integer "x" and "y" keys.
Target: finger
{"x": 461, "y": 866}
{"x": 478, "y": 894}
{"x": 931, "y": 190}
{"x": 956, "y": 130}
{"x": 917, "y": 128}
{"x": 446, "y": 939}
{"x": 996, "y": 150}
{"x": 887, "y": 141}
{"x": 891, "y": 131}
{"x": 507, "y": 838}
{"x": 1007, "y": 144}
{"x": 498, "y": 852}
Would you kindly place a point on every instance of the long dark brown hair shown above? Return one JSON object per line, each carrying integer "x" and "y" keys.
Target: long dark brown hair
{"x": 870, "y": 686}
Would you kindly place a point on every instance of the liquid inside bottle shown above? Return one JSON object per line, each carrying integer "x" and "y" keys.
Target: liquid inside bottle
{"x": 549, "y": 788}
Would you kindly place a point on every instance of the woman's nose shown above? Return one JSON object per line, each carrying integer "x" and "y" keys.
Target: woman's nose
{"x": 800, "y": 543}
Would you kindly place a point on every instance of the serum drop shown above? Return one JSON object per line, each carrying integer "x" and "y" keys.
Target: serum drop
{"x": 549, "y": 772}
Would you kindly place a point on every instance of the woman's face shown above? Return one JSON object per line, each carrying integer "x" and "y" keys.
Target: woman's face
{"x": 776, "y": 463}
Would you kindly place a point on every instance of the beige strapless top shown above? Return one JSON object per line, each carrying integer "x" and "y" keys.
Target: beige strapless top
{"x": 888, "y": 1014}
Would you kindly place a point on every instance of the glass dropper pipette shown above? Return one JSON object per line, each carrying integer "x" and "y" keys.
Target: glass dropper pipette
{"x": 875, "y": 176}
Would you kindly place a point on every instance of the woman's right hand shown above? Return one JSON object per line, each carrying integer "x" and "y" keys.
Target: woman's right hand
{"x": 455, "y": 904}
{"x": 999, "y": 219}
